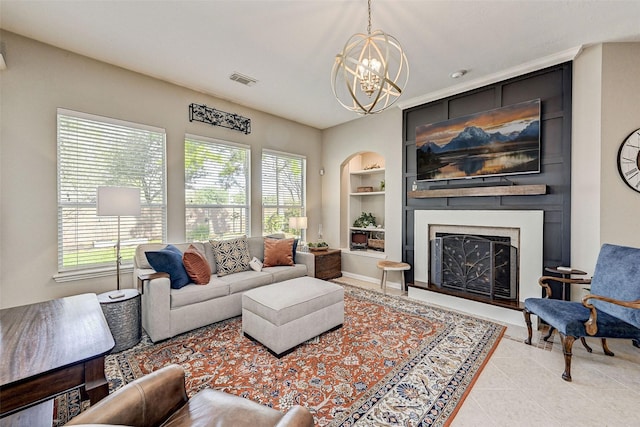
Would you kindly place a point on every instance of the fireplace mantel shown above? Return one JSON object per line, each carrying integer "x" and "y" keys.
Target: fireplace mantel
{"x": 511, "y": 190}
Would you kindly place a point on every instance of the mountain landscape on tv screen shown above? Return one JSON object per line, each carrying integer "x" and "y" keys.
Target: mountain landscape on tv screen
{"x": 473, "y": 137}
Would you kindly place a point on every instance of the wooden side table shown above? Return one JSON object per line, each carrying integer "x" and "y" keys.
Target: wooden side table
{"x": 123, "y": 317}
{"x": 565, "y": 274}
{"x": 328, "y": 264}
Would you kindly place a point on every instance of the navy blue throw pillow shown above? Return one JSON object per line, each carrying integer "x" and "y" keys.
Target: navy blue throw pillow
{"x": 169, "y": 260}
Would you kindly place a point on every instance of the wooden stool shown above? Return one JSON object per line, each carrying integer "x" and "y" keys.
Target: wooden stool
{"x": 386, "y": 266}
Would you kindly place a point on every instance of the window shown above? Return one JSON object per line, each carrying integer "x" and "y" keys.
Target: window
{"x": 283, "y": 190}
{"x": 216, "y": 188}
{"x": 97, "y": 151}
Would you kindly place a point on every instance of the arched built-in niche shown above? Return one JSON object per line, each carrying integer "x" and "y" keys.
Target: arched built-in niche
{"x": 363, "y": 191}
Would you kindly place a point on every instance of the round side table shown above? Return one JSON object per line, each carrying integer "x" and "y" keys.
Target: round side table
{"x": 123, "y": 317}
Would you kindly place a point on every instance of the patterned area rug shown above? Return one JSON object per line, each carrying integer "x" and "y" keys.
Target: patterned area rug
{"x": 395, "y": 361}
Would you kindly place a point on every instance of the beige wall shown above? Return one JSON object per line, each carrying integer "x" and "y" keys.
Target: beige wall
{"x": 605, "y": 112}
{"x": 38, "y": 80}
{"x": 379, "y": 133}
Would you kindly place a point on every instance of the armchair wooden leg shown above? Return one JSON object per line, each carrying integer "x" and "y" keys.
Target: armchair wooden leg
{"x": 546, "y": 337}
{"x": 585, "y": 345}
{"x": 605, "y": 348}
{"x": 567, "y": 344}
{"x": 527, "y": 320}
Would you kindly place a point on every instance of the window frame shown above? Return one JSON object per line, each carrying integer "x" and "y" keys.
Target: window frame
{"x": 303, "y": 188}
{"x": 86, "y": 198}
{"x": 246, "y": 206}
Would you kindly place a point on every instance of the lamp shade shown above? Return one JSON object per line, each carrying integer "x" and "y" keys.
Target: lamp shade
{"x": 298, "y": 222}
{"x": 118, "y": 201}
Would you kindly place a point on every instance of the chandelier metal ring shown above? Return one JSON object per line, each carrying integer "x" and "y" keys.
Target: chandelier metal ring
{"x": 370, "y": 73}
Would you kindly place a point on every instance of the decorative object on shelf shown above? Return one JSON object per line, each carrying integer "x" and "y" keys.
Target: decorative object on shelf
{"x": 204, "y": 114}
{"x": 371, "y": 167}
{"x": 317, "y": 247}
{"x": 320, "y": 233}
{"x": 371, "y": 72}
{"x": 364, "y": 189}
{"x": 629, "y": 160}
{"x": 118, "y": 201}
{"x": 382, "y": 185}
{"x": 365, "y": 220}
{"x": 358, "y": 240}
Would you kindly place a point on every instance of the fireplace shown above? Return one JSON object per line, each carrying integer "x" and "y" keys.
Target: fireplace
{"x": 524, "y": 230}
{"x": 483, "y": 265}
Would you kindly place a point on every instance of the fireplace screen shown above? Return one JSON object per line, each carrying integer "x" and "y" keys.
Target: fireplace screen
{"x": 482, "y": 265}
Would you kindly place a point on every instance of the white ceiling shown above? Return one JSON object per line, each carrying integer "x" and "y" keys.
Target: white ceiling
{"x": 289, "y": 46}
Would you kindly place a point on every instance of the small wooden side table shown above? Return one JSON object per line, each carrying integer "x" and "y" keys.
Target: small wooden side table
{"x": 123, "y": 317}
{"x": 566, "y": 274}
{"x": 328, "y": 264}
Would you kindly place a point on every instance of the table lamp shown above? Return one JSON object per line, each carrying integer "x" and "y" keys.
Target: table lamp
{"x": 298, "y": 223}
{"x": 118, "y": 201}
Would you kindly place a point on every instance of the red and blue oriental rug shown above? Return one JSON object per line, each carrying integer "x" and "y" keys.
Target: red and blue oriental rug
{"x": 395, "y": 361}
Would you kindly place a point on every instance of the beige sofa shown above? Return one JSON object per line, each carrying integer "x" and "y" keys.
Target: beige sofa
{"x": 167, "y": 312}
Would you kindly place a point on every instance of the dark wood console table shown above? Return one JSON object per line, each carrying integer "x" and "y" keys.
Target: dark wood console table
{"x": 51, "y": 347}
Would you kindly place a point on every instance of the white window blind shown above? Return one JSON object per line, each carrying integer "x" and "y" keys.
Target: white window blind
{"x": 283, "y": 190}
{"x": 216, "y": 188}
{"x": 96, "y": 151}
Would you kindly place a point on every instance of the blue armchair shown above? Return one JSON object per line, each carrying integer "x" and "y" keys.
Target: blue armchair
{"x": 611, "y": 310}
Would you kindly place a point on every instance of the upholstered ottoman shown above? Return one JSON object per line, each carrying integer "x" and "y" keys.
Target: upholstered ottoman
{"x": 288, "y": 313}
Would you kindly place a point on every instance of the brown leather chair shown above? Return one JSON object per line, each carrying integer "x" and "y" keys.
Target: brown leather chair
{"x": 160, "y": 399}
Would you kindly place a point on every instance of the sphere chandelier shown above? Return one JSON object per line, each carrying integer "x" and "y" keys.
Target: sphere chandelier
{"x": 371, "y": 72}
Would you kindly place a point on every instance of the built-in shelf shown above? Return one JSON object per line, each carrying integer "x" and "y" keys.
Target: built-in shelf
{"x": 510, "y": 190}
{"x": 367, "y": 229}
{"x": 368, "y": 193}
{"x": 367, "y": 171}
{"x": 370, "y": 253}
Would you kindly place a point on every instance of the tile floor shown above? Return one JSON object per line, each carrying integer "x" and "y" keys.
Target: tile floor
{"x": 521, "y": 384}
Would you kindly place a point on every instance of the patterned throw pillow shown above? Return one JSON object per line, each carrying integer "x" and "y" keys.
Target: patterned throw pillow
{"x": 169, "y": 260}
{"x": 278, "y": 252}
{"x": 196, "y": 265}
{"x": 231, "y": 255}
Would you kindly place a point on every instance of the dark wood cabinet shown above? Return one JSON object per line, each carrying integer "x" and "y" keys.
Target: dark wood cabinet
{"x": 328, "y": 264}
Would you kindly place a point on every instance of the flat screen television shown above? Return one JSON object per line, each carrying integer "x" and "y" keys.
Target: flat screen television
{"x": 504, "y": 141}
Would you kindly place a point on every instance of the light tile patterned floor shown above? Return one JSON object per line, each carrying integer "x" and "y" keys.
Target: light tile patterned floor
{"x": 521, "y": 384}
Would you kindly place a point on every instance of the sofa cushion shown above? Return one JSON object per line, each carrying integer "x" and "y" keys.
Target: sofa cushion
{"x": 231, "y": 255}
{"x": 278, "y": 252}
{"x": 281, "y": 274}
{"x": 196, "y": 265}
{"x": 192, "y": 294}
{"x": 140, "y": 259}
{"x": 244, "y": 280}
{"x": 169, "y": 260}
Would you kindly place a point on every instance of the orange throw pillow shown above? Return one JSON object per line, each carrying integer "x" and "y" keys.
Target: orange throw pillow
{"x": 278, "y": 252}
{"x": 196, "y": 265}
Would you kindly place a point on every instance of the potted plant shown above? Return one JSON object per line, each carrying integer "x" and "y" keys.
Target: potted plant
{"x": 365, "y": 220}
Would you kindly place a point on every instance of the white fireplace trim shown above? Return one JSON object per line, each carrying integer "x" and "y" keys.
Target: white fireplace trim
{"x": 531, "y": 225}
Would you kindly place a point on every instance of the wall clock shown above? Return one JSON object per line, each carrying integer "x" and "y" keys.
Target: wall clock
{"x": 629, "y": 160}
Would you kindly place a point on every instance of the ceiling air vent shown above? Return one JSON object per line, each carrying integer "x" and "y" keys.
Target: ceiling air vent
{"x": 241, "y": 78}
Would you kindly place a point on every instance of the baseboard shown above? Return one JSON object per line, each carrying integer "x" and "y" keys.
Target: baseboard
{"x": 395, "y": 285}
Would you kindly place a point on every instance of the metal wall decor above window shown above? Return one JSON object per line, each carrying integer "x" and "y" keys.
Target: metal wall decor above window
{"x": 204, "y": 114}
